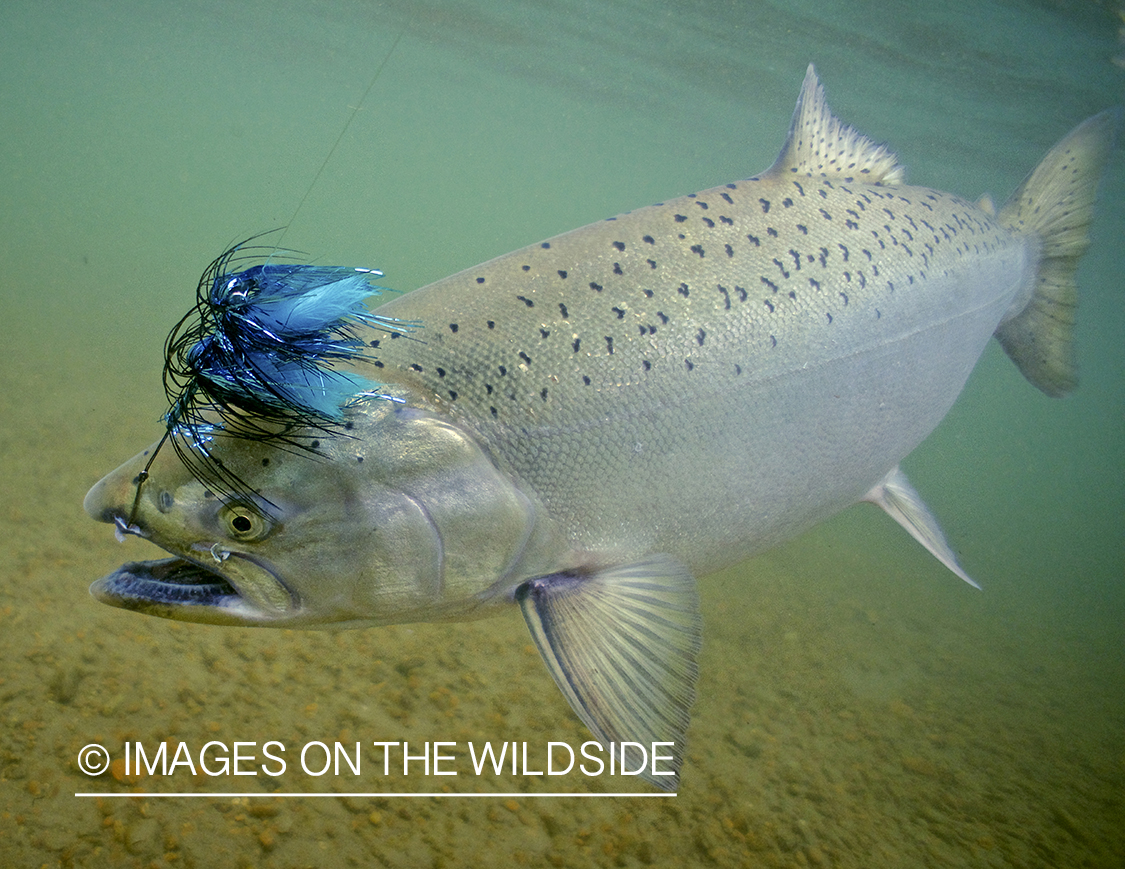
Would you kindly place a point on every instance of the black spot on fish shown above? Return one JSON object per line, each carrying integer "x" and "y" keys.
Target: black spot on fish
{"x": 651, "y": 263}
{"x": 729, "y": 250}
{"x": 769, "y": 305}
{"x": 684, "y": 290}
{"x": 492, "y": 410}
{"x": 648, "y": 239}
{"x": 800, "y": 189}
{"x": 646, "y": 365}
{"x": 585, "y": 379}
{"x": 726, "y": 297}
{"x": 525, "y": 357}
{"x": 701, "y": 337}
{"x": 503, "y": 371}
{"x": 825, "y": 214}
{"x": 617, "y": 269}
{"x": 619, "y": 312}
{"x": 488, "y": 389}
{"x": 480, "y": 280}
{"x": 648, "y": 293}
{"x": 609, "y": 344}
{"x": 845, "y": 298}
{"x": 726, "y": 220}
{"x": 544, "y": 333}
{"x": 781, "y": 266}
{"x": 491, "y": 324}
{"x": 562, "y": 310}
{"x": 754, "y": 240}
{"x": 709, "y": 223}
{"x": 374, "y": 343}
{"x": 440, "y": 372}
{"x": 769, "y": 284}
{"x": 595, "y": 286}
{"x": 727, "y": 198}
{"x": 416, "y": 367}
{"x": 804, "y": 230}
{"x": 770, "y": 231}
{"x": 700, "y": 204}
{"x": 690, "y": 365}
{"x": 765, "y": 205}
{"x": 787, "y": 202}
{"x": 737, "y": 369}
{"x": 697, "y": 248}
{"x": 452, "y": 327}
{"x": 545, "y": 245}
{"x": 453, "y": 394}
{"x": 680, "y": 218}
{"x": 543, "y": 393}
{"x": 829, "y": 316}
{"x": 845, "y": 250}
{"x": 526, "y": 301}
{"x": 526, "y": 268}
{"x": 562, "y": 274}
{"x": 577, "y": 343}
{"x": 620, "y": 245}
{"x": 741, "y": 293}
{"x": 663, "y": 318}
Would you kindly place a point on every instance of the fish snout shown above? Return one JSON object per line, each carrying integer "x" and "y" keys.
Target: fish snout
{"x": 111, "y": 498}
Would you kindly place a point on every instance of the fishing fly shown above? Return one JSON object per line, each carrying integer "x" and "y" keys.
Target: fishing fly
{"x": 256, "y": 358}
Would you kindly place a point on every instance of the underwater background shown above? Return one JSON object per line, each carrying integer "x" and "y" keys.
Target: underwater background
{"x": 858, "y": 705}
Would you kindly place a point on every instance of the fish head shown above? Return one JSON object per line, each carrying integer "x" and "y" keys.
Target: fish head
{"x": 400, "y": 518}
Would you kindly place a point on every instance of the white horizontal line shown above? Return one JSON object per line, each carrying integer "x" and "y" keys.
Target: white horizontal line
{"x": 515, "y": 795}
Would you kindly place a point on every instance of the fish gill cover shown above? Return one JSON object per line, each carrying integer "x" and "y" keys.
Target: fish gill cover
{"x": 254, "y": 358}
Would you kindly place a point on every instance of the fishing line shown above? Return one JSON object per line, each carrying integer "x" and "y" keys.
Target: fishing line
{"x": 355, "y": 111}
{"x": 266, "y": 387}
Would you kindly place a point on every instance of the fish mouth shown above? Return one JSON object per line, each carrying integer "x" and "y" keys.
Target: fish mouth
{"x": 164, "y": 582}
{"x": 188, "y": 590}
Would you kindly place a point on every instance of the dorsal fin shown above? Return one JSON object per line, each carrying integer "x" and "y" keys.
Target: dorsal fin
{"x": 819, "y": 143}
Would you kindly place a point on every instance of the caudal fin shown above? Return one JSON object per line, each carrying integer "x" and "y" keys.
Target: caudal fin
{"x": 1055, "y": 204}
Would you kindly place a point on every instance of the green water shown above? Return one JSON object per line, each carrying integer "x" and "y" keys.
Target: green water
{"x": 858, "y": 705}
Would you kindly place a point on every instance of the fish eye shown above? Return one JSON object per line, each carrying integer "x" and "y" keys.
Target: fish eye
{"x": 244, "y": 523}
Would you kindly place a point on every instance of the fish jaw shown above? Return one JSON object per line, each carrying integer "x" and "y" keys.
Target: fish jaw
{"x": 175, "y": 588}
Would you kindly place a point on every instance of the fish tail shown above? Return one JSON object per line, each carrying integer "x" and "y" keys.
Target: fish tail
{"x": 1055, "y": 205}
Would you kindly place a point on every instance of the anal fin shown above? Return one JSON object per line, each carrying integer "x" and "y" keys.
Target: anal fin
{"x": 903, "y": 503}
{"x": 622, "y": 644}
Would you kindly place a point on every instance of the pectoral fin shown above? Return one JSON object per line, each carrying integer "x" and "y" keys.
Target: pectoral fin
{"x": 899, "y": 499}
{"x": 622, "y": 644}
